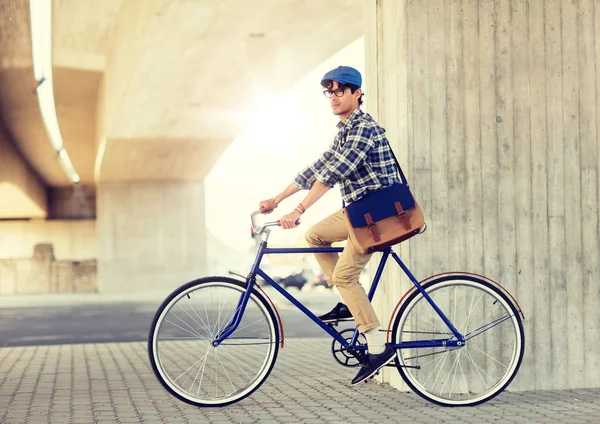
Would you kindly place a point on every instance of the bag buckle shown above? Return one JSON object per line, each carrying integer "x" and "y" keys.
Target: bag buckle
{"x": 402, "y": 215}
{"x": 399, "y": 208}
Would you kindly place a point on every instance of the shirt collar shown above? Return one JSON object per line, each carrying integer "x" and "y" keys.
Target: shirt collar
{"x": 356, "y": 113}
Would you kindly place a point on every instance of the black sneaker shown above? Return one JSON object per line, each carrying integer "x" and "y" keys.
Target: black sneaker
{"x": 374, "y": 363}
{"x": 339, "y": 313}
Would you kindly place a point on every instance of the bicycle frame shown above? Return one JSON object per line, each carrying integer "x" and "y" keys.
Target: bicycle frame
{"x": 456, "y": 341}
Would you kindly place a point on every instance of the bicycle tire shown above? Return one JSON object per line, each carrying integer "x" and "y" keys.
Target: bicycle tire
{"x": 193, "y": 337}
{"x": 416, "y": 320}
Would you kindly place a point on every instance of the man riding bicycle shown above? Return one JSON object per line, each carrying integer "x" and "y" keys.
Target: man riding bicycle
{"x": 360, "y": 160}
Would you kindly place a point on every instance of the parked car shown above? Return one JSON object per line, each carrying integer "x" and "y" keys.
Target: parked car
{"x": 320, "y": 281}
{"x": 315, "y": 274}
{"x": 286, "y": 275}
{"x": 297, "y": 280}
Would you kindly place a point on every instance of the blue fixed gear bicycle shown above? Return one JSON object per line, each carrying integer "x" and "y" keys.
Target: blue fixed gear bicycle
{"x": 458, "y": 336}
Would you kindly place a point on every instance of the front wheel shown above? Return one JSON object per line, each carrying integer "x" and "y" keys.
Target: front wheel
{"x": 493, "y": 333}
{"x": 182, "y": 353}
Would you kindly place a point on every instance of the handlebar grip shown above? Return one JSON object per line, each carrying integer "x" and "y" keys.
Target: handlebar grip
{"x": 297, "y": 222}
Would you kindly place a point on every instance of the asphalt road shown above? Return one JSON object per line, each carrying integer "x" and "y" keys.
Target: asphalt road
{"x": 71, "y": 319}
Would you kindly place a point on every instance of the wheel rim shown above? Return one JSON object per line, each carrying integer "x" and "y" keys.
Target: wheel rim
{"x": 183, "y": 351}
{"x": 475, "y": 372}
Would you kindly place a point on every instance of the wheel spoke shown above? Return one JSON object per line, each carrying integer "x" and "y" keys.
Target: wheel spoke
{"x": 191, "y": 317}
{"x": 485, "y": 319}
{"x": 237, "y": 363}
{"x": 464, "y": 378}
{"x": 226, "y": 373}
{"x": 212, "y": 336}
{"x": 440, "y": 361}
{"x": 493, "y": 359}
{"x": 486, "y": 327}
{"x": 202, "y": 366}
{"x": 453, "y": 372}
{"x": 191, "y": 331}
{"x": 180, "y": 338}
{"x": 249, "y": 325}
{"x": 190, "y": 367}
{"x": 204, "y": 324}
{"x": 440, "y": 369}
{"x": 471, "y": 309}
{"x": 480, "y": 370}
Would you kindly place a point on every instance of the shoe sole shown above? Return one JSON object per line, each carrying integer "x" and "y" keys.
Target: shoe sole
{"x": 375, "y": 372}
{"x": 337, "y": 320}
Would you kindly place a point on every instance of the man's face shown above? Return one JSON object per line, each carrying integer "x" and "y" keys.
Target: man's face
{"x": 344, "y": 105}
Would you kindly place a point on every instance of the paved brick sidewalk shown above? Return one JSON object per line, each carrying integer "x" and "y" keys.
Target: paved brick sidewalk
{"x": 113, "y": 383}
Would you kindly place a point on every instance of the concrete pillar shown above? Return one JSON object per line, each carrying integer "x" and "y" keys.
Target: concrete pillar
{"x": 489, "y": 109}
{"x": 151, "y": 235}
{"x": 22, "y": 195}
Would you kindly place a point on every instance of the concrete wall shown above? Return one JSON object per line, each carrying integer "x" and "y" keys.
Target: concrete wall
{"x": 46, "y": 256}
{"x": 151, "y": 235}
{"x": 42, "y": 273}
{"x": 492, "y": 108}
{"x": 71, "y": 240}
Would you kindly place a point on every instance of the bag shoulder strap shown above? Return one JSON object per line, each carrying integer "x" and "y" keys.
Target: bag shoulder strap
{"x": 402, "y": 177}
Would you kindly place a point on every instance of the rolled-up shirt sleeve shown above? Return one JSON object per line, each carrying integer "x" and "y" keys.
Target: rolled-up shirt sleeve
{"x": 307, "y": 177}
{"x": 347, "y": 157}
{"x": 304, "y": 178}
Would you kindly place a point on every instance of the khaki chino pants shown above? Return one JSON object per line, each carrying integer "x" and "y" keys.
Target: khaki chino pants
{"x": 343, "y": 271}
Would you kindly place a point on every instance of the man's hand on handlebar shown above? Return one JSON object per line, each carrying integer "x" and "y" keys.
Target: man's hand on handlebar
{"x": 267, "y": 206}
{"x": 290, "y": 220}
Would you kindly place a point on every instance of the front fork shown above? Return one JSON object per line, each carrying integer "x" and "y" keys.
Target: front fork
{"x": 235, "y": 320}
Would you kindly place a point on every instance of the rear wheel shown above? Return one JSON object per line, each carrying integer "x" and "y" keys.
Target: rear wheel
{"x": 181, "y": 350}
{"x": 494, "y": 341}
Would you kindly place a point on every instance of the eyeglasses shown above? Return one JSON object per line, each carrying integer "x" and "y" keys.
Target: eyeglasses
{"x": 339, "y": 92}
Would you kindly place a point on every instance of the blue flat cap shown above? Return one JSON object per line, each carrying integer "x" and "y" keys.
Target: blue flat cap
{"x": 343, "y": 75}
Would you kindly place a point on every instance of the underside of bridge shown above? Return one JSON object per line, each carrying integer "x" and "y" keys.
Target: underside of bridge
{"x": 148, "y": 94}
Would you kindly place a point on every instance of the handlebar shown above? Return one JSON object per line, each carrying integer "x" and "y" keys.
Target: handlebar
{"x": 262, "y": 228}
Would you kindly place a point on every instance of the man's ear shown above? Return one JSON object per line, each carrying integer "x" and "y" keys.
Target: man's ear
{"x": 358, "y": 92}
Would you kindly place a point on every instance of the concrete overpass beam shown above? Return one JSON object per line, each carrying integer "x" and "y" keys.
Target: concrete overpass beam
{"x": 129, "y": 39}
{"x": 151, "y": 235}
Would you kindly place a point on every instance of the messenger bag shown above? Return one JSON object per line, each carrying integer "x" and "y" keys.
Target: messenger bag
{"x": 384, "y": 217}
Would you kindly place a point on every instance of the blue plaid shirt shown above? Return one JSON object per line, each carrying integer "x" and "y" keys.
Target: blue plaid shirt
{"x": 359, "y": 159}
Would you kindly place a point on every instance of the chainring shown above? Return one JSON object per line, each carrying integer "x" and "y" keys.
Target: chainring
{"x": 342, "y": 355}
